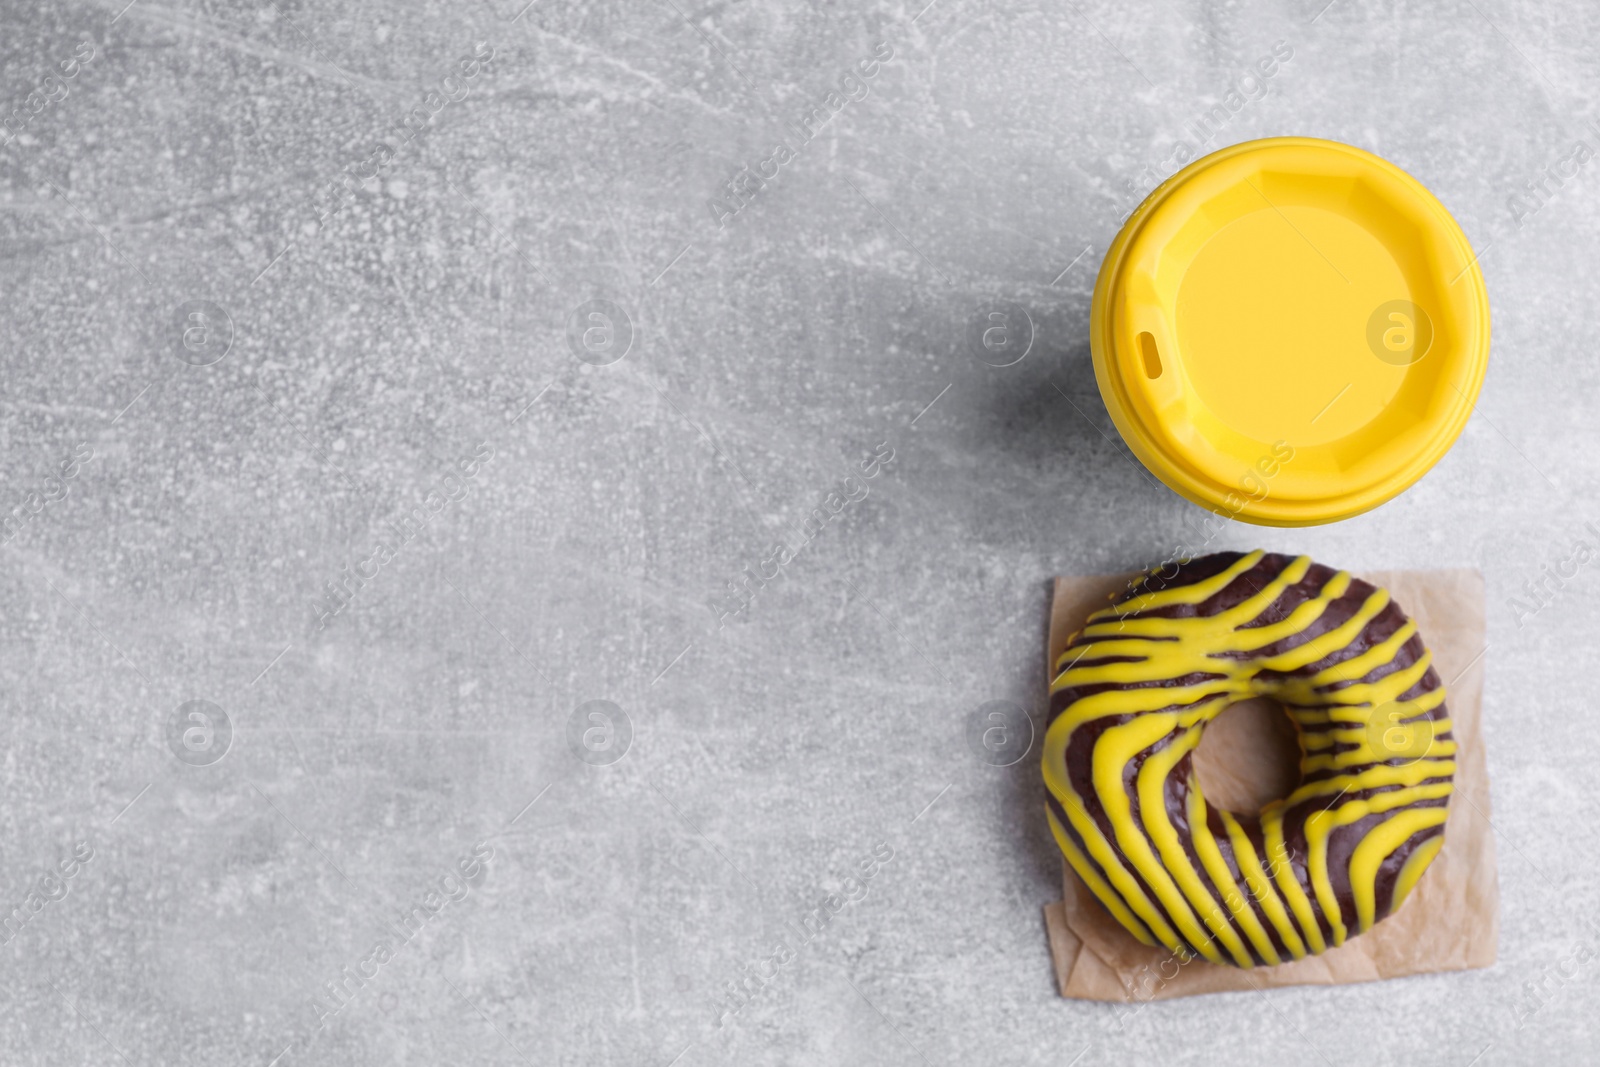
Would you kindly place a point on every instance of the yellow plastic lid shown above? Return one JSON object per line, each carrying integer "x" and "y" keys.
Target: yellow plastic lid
{"x": 1290, "y": 331}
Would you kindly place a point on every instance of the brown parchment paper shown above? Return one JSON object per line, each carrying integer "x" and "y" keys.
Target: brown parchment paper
{"x": 1451, "y": 921}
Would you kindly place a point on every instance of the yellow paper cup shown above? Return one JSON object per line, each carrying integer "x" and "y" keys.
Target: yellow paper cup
{"x": 1290, "y": 331}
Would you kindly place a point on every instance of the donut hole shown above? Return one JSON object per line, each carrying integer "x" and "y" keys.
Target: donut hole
{"x": 1248, "y": 756}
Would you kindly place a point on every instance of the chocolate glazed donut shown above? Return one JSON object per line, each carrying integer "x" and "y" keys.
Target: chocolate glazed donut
{"x": 1131, "y": 697}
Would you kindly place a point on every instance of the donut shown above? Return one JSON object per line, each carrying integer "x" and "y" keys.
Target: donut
{"x": 1130, "y": 699}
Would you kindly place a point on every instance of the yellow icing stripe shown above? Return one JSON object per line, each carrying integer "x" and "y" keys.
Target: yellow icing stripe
{"x": 1373, "y": 778}
{"x": 1097, "y": 885}
{"x": 1158, "y": 828}
{"x": 1436, "y": 730}
{"x": 1146, "y": 701}
{"x": 1259, "y": 883}
{"x": 1360, "y": 666}
{"x": 1100, "y": 850}
{"x": 1412, "y": 870}
{"x": 1321, "y": 824}
{"x": 1116, "y": 747}
{"x": 1197, "y": 593}
{"x": 1283, "y": 877}
{"x": 1247, "y": 610}
{"x": 1259, "y": 637}
{"x": 1111, "y": 646}
{"x": 1376, "y": 847}
{"x": 1385, "y": 689}
{"x": 1205, "y": 846}
{"x": 1320, "y": 647}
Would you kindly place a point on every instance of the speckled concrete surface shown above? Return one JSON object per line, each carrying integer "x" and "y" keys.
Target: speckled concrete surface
{"x": 334, "y": 511}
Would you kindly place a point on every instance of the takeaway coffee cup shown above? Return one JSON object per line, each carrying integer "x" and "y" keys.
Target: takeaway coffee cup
{"x": 1290, "y": 331}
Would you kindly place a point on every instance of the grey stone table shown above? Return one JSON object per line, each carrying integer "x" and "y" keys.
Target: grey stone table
{"x": 387, "y": 384}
